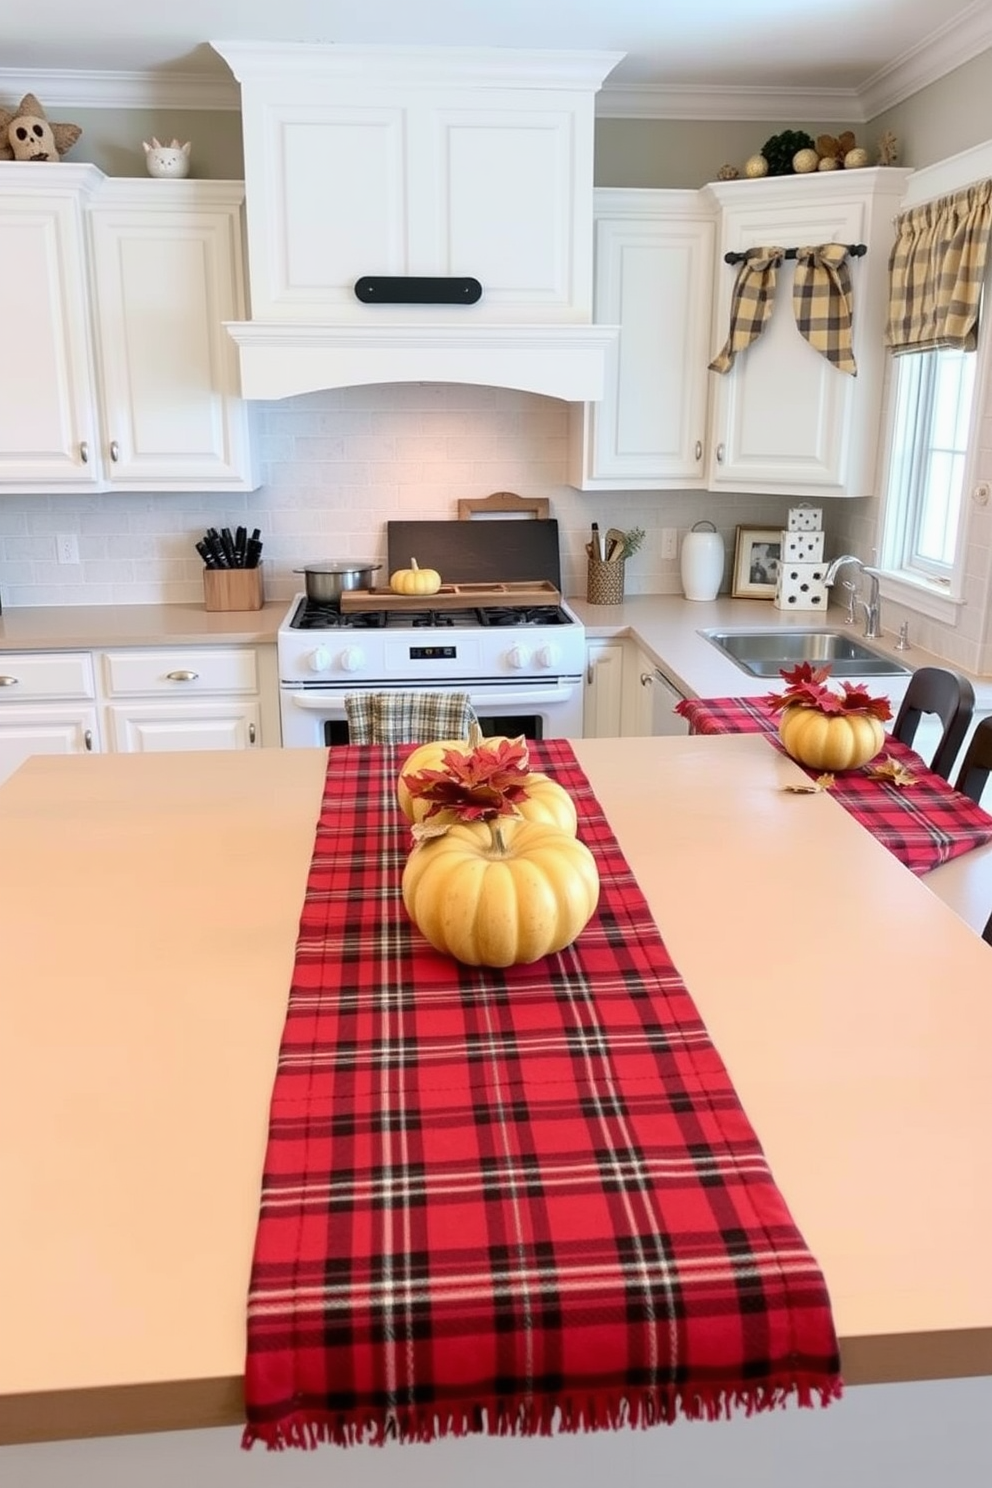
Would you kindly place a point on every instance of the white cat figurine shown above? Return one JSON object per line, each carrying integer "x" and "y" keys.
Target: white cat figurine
{"x": 170, "y": 161}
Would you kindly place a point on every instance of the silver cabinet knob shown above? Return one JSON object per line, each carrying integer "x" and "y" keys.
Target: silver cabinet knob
{"x": 115, "y": 450}
{"x": 719, "y": 454}
{"x": 182, "y": 676}
{"x": 251, "y": 733}
{"x": 84, "y": 452}
{"x": 7, "y": 680}
{"x": 88, "y": 740}
{"x": 699, "y": 449}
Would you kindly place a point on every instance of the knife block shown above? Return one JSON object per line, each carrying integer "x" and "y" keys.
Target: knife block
{"x": 233, "y": 588}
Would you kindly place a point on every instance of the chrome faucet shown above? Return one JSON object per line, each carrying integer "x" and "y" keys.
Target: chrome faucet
{"x": 872, "y": 606}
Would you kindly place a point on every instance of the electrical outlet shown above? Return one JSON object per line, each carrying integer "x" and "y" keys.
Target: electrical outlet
{"x": 669, "y": 542}
{"x": 67, "y": 548}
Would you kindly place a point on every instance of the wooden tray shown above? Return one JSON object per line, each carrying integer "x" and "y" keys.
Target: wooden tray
{"x": 520, "y": 594}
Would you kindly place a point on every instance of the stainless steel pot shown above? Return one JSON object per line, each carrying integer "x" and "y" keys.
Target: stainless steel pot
{"x": 326, "y": 582}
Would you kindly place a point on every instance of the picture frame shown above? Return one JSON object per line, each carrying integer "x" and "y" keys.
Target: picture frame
{"x": 757, "y": 555}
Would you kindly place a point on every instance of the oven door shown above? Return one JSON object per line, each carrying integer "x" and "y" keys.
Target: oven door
{"x": 314, "y": 716}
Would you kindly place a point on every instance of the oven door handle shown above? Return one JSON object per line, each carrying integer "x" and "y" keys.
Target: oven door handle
{"x": 482, "y": 700}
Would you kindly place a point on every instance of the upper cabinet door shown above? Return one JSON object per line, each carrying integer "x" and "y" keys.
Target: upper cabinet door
{"x": 166, "y": 276}
{"x": 48, "y": 430}
{"x": 653, "y": 278}
{"x": 783, "y": 418}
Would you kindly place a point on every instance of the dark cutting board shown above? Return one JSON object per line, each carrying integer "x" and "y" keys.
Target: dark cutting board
{"x": 492, "y": 550}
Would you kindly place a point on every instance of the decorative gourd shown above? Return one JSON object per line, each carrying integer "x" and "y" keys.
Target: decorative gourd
{"x": 415, "y": 580}
{"x": 500, "y": 893}
{"x": 545, "y": 800}
{"x": 830, "y": 741}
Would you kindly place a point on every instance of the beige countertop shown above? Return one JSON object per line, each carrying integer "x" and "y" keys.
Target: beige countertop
{"x": 86, "y": 627}
{"x": 148, "y": 913}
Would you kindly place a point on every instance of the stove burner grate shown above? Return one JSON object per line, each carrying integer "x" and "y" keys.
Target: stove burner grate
{"x": 313, "y": 615}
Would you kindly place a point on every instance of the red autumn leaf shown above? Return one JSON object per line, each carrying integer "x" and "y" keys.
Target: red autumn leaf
{"x": 806, "y": 686}
{"x": 483, "y": 783}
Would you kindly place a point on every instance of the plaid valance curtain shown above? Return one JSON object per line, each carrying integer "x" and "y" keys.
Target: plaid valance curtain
{"x": 936, "y": 272}
{"x": 751, "y": 306}
{"x": 821, "y": 303}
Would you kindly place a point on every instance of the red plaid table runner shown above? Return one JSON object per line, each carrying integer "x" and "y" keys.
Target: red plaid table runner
{"x": 923, "y": 824}
{"x": 508, "y": 1201}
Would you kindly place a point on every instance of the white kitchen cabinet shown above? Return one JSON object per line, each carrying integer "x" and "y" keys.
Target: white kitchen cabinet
{"x": 783, "y": 419}
{"x": 603, "y": 698}
{"x": 114, "y": 295}
{"x": 649, "y": 698}
{"x": 166, "y": 275}
{"x": 190, "y": 697}
{"x": 47, "y": 706}
{"x": 653, "y": 276}
{"x": 48, "y": 423}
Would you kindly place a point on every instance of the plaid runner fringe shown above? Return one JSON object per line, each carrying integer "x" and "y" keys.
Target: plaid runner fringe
{"x": 508, "y": 1202}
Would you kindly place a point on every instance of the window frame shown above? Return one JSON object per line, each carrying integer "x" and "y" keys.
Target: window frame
{"x": 936, "y": 594}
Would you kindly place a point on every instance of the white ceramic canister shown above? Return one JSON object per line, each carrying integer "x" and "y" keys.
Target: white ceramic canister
{"x": 702, "y": 562}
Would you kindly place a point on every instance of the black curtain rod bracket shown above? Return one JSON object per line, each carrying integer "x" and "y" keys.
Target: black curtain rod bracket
{"x": 856, "y": 250}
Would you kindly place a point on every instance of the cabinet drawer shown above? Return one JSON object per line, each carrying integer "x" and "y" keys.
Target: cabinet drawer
{"x": 25, "y": 675}
{"x": 180, "y": 671}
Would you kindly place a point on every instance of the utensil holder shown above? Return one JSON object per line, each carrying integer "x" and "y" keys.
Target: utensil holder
{"x": 604, "y": 584}
{"x": 233, "y": 588}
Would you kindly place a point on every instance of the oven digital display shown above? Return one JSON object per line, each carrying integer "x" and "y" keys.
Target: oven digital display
{"x": 433, "y": 653}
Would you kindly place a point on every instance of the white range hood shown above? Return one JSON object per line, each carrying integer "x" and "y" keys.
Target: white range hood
{"x": 412, "y": 163}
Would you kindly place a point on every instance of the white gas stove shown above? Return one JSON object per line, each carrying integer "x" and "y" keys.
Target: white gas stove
{"x": 522, "y": 665}
{"x": 499, "y": 631}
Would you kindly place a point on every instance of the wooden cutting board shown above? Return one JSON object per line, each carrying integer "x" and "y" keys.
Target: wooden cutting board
{"x": 517, "y": 595}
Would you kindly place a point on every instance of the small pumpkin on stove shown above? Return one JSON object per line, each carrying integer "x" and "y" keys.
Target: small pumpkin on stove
{"x": 415, "y": 580}
{"x": 501, "y": 894}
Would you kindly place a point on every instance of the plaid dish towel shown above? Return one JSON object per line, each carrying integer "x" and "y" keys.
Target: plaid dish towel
{"x": 511, "y": 1201}
{"x": 407, "y": 717}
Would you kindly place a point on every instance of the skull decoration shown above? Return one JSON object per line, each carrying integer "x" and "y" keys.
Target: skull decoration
{"x": 167, "y": 160}
{"x": 26, "y": 134}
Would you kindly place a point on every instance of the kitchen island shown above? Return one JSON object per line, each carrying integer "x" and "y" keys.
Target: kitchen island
{"x": 148, "y": 913}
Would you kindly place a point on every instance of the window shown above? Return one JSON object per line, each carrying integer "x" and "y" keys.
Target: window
{"x": 934, "y": 395}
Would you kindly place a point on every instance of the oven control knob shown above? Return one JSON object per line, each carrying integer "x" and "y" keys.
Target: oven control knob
{"x": 352, "y": 658}
{"x": 549, "y": 656}
{"x": 319, "y": 660}
{"x": 518, "y": 657}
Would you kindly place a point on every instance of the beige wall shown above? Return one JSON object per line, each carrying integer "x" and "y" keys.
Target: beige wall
{"x": 112, "y": 138}
{"x": 949, "y": 116}
{"x": 683, "y": 153}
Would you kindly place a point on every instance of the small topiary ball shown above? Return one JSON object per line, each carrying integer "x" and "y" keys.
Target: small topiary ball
{"x": 780, "y": 149}
{"x": 805, "y": 161}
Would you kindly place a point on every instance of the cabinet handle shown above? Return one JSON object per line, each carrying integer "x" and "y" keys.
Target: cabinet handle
{"x": 115, "y": 450}
{"x": 182, "y": 676}
{"x": 251, "y": 733}
{"x": 719, "y": 454}
{"x": 699, "y": 449}
{"x": 84, "y": 452}
{"x": 647, "y": 679}
{"x": 88, "y": 739}
{"x": 7, "y": 681}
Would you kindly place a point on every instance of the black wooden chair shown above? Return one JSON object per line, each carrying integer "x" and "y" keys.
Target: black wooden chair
{"x": 977, "y": 763}
{"x": 952, "y": 698}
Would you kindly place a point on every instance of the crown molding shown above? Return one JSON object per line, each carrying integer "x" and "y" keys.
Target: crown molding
{"x": 688, "y": 101}
{"x": 946, "y": 49}
{"x": 120, "y": 90}
{"x": 940, "y": 53}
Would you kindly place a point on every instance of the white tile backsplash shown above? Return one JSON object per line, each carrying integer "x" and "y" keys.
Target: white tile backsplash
{"x": 336, "y": 466}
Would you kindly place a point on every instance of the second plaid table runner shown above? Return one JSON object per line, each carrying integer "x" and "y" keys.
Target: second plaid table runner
{"x": 513, "y": 1201}
{"x": 923, "y": 824}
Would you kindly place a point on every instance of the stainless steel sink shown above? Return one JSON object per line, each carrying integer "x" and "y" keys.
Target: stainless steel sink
{"x": 764, "y": 653}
